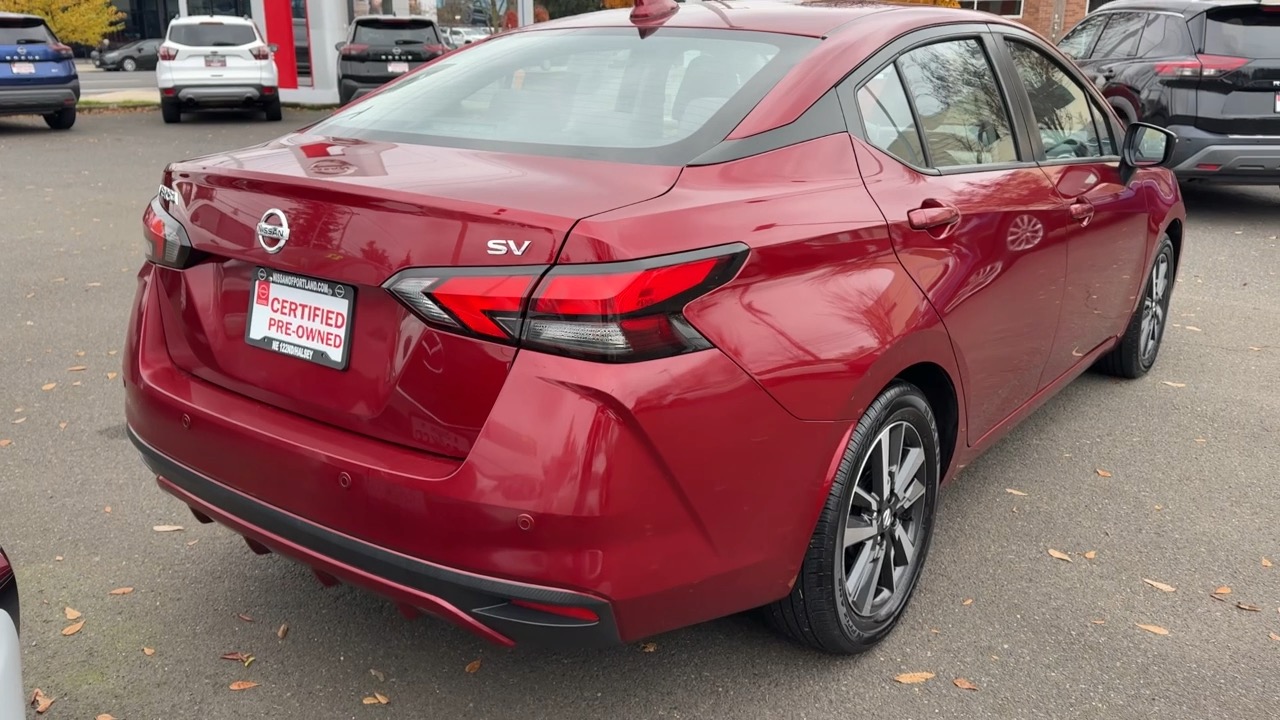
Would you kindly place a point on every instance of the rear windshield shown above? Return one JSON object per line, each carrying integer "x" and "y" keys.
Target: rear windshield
{"x": 597, "y": 93}
{"x": 392, "y": 32}
{"x": 1242, "y": 32}
{"x": 212, "y": 35}
{"x": 21, "y": 32}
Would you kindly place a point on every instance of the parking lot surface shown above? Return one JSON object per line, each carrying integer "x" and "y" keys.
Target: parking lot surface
{"x": 1171, "y": 479}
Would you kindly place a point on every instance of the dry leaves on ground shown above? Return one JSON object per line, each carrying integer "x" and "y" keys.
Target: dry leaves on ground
{"x": 1174, "y": 384}
{"x": 376, "y": 699}
{"x": 239, "y": 657}
{"x": 1224, "y": 590}
{"x": 1011, "y": 491}
{"x": 1153, "y": 629}
{"x": 649, "y": 647}
{"x": 107, "y": 509}
{"x": 1266, "y": 562}
{"x": 1273, "y": 636}
{"x": 121, "y": 591}
{"x": 967, "y": 601}
{"x": 473, "y": 666}
{"x": 105, "y": 716}
{"x": 148, "y": 651}
{"x": 40, "y": 701}
{"x": 1098, "y": 622}
{"x": 1103, "y": 473}
{"x": 167, "y": 528}
{"x": 284, "y": 630}
{"x": 72, "y": 614}
{"x": 72, "y": 629}
{"x": 62, "y": 425}
{"x": 1059, "y": 555}
{"x": 913, "y": 678}
{"x": 1162, "y": 587}
{"x": 48, "y": 386}
{"x": 243, "y": 685}
{"x": 112, "y": 376}
{"x": 1091, "y": 555}
{"x": 6, "y": 442}
{"x": 77, "y": 368}
{"x": 244, "y": 617}
{"x": 378, "y": 674}
{"x": 19, "y": 421}
{"x": 1193, "y": 328}
{"x": 964, "y": 684}
{"x": 1248, "y": 607}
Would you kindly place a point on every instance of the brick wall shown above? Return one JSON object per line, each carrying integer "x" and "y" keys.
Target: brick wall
{"x": 1038, "y": 15}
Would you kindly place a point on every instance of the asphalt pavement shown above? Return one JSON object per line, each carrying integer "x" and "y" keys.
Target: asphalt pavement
{"x": 95, "y": 82}
{"x": 1172, "y": 479}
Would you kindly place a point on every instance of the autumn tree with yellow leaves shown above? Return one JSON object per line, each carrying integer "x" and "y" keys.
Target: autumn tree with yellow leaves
{"x": 83, "y": 22}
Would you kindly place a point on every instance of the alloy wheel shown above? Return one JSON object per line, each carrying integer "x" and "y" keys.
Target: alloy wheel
{"x": 1154, "y": 306}
{"x": 885, "y": 523}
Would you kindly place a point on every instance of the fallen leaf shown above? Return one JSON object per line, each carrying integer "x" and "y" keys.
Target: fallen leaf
{"x": 48, "y": 386}
{"x": 148, "y": 651}
{"x": 121, "y": 591}
{"x": 378, "y": 674}
{"x": 58, "y": 558}
{"x": 249, "y": 660}
{"x": 19, "y": 421}
{"x": 107, "y": 509}
{"x": 1201, "y": 440}
{"x": 75, "y": 384}
{"x": 5, "y": 443}
{"x": 79, "y": 353}
{"x": 62, "y": 425}
{"x": 370, "y": 700}
{"x": 243, "y": 685}
{"x": 167, "y": 528}
{"x": 1011, "y": 491}
{"x": 193, "y": 542}
{"x": 649, "y": 647}
{"x": 967, "y": 601}
{"x": 1273, "y": 636}
{"x": 964, "y": 684}
{"x": 77, "y": 368}
{"x": 244, "y": 617}
{"x": 1224, "y": 590}
{"x": 1059, "y": 555}
{"x": 72, "y": 629}
{"x": 105, "y": 716}
{"x": 111, "y": 352}
{"x": 40, "y": 701}
{"x": 1098, "y": 622}
{"x": 112, "y": 376}
{"x": 237, "y": 656}
{"x": 1091, "y": 555}
{"x": 382, "y": 699}
{"x": 72, "y": 614}
{"x": 913, "y": 678}
{"x": 1248, "y": 607}
{"x": 1162, "y": 587}
{"x": 1103, "y": 473}
{"x": 1153, "y": 629}
{"x": 473, "y": 666}
{"x": 1193, "y": 328}
{"x": 93, "y": 284}
{"x": 1174, "y": 384}
{"x": 1266, "y": 562}
{"x": 284, "y": 630}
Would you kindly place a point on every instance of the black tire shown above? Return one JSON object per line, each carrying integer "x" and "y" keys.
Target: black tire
{"x": 820, "y": 612}
{"x": 64, "y": 119}
{"x": 273, "y": 110}
{"x": 1133, "y": 357}
{"x": 129, "y": 65}
{"x": 171, "y": 113}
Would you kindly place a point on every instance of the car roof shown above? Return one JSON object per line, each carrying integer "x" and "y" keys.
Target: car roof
{"x": 19, "y": 16}
{"x": 197, "y": 19}
{"x": 812, "y": 18}
{"x": 1187, "y": 8}
{"x": 402, "y": 18}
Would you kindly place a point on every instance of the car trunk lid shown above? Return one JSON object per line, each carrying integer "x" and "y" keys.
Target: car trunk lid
{"x": 30, "y": 54}
{"x": 1239, "y": 88}
{"x": 359, "y": 212}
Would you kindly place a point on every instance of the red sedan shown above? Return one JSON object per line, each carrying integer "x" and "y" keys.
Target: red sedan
{"x": 629, "y": 321}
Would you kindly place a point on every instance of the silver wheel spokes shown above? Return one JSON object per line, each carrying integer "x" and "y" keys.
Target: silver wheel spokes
{"x": 1153, "y": 309}
{"x": 884, "y": 524}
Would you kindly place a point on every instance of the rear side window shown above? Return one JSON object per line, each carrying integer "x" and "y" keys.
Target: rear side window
{"x": 1164, "y": 36}
{"x": 213, "y": 34}
{"x": 962, "y": 113}
{"x": 392, "y": 32}
{"x": 1120, "y": 38}
{"x": 22, "y": 32}
{"x": 598, "y": 93}
{"x": 1077, "y": 42}
{"x": 1244, "y": 32}
{"x": 886, "y": 117}
{"x": 1069, "y": 124}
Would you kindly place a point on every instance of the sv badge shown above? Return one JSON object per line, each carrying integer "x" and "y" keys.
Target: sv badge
{"x": 508, "y": 247}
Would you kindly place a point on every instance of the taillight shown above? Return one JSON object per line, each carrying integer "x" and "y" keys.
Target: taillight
{"x": 611, "y": 312}
{"x": 436, "y": 50}
{"x": 166, "y": 241}
{"x": 64, "y": 52}
{"x": 1201, "y": 66}
{"x": 168, "y": 52}
{"x": 353, "y": 50}
{"x": 261, "y": 52}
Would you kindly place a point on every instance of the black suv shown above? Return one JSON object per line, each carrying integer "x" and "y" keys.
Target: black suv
{"x": 1209, "y": 70}
{"x": 381, "y": 48}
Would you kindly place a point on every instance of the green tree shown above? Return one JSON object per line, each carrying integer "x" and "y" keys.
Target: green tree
{"x": 84, "y": 22}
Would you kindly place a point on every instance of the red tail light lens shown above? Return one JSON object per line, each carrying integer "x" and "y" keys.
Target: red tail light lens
{"x": 166, "y": 241}
{"x": 353, "y": 50}
{"x": 1206, "y": 66}
{"x": 613, "y": 312}
{"x": 168, "y": 52}
{"x": 435, "y": 50}
{"x": 64, "y": 52}
{"x": 261, "y": 52}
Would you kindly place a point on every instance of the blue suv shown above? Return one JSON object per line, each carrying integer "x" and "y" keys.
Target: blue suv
{"x": 37, "y": 73}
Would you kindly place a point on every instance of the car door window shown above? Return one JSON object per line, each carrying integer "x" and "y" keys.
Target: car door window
{"x": 887, "y": 119}
{"x": 1077, "y": 42}
{"x": 1120, "y": 38}
{"x": 1070, "y": 125}
{"x": 1164, "y": 36}
{"x": 960, "y": 109}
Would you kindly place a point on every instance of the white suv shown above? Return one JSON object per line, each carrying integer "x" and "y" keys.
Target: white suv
{"x": 216, "y": 61}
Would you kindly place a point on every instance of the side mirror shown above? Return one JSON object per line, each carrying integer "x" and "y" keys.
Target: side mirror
{"x": 1145, "y": 146}
{"x": 338, "y": 45}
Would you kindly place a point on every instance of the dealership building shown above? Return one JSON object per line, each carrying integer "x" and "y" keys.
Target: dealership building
{"x": 312, "y": 28}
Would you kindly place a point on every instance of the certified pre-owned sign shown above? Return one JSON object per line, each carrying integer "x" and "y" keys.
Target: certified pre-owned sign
{"x": 307, "y": 318}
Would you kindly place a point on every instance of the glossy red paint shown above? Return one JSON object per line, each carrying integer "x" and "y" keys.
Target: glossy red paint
{"x": 628, "y": 484}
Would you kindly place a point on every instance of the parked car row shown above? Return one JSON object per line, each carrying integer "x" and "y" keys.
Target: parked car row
{"x": 37, "y": 72}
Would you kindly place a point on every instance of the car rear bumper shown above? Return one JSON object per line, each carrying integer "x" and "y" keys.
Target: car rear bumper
{"x": 1231, "y": 159}
{"x": 590, "y": 485}
{"x": 358, "y": 88}
{"x": 219, "y": 96}
{"x": 39, "y": 100}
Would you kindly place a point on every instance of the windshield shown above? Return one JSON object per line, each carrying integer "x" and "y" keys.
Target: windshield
{"x": 392, "y": 32}
{"x": 213, "y": 34}
{"x": 1242, "y": 32}
{"x": 591, "y": 93}
{"x": 22, "y": 32}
